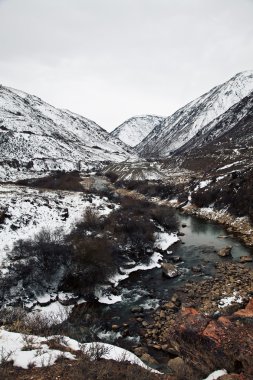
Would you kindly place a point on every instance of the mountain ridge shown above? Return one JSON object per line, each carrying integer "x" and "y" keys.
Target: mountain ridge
{"x": 37, "y": 135}
{"x": 177, "y": 129}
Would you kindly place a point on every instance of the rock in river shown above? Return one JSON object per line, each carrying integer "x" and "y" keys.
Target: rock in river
{"x": 169, "y": 270}
{"x": 246, "y": 259}
{"x": 226, "y": 251}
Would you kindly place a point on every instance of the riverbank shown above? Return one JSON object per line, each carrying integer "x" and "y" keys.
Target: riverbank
{"x": 205, "y": 325}
{"x": 240, "y": 227}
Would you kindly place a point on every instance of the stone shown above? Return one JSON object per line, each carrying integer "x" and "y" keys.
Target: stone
{"x": 137, "y": 309}
{"x": 149, "y": 359}
{"x": 139, "y": 351}
{"x": 115, "y": 327}
{"x": 247, "y": 312}
{"x": 232, "y": 376}
{"x": 226, "y": 251}
{"x": 169, "y": 306}
{"x": 169, "y": 270}
{"x": 196, "y": 269}
{"x": 246, "y": 259}
{"x": 176, "y": 364}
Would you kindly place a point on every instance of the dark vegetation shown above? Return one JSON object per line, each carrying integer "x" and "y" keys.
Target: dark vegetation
{"x": 81, "y": 368}
{"x": 92, "y": 252}
{"x": 234, "y": 193}
{"x": 155, "y": 189}
{"x": 56, "y": 181}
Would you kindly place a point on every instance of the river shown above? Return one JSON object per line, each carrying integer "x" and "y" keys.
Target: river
{"x": 197, "y": 248}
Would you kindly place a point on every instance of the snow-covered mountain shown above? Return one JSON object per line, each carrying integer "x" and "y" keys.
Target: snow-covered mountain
{"x": 36, "y": 136}
{"x": 179, "y": 128}
{"x": 135, "y": 129}
{"x": 225, "y": 142}
{"x": 235, "y": 125}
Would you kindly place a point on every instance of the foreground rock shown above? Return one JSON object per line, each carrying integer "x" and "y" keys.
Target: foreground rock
{"x": 208, "y": 325}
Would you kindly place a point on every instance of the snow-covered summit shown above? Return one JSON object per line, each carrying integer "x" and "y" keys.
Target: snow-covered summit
{"x": 42, "y": 137}
{"x": 135, "y": 129}
{"x": 176, "y": 130}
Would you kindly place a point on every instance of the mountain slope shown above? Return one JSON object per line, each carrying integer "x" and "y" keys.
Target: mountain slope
{"x": 38, "y": 136}
{"x": 135, "y": 129}
{"x": 227, "y": 140}
{"x": 176, "y": 130}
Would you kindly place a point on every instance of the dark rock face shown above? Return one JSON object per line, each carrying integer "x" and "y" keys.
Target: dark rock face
{"x": 214, "y": 343}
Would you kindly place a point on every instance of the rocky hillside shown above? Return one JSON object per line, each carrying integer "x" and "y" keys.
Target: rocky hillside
{"x": 225, "y": 143}
{"x": 189, "y": 121}
{"x": 135, "y": 129}
{"x": 35, "y": 136}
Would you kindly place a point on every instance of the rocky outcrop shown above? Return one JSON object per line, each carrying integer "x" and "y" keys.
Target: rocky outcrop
{"x": 196, "y": 327}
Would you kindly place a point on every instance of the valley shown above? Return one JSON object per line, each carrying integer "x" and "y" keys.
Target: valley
{"x": 141, "y": 239}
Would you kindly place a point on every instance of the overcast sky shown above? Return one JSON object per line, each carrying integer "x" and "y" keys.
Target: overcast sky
{"x": 111, "y": 59}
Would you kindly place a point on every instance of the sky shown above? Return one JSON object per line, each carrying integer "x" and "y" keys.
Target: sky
{"x": 109, "y": 60}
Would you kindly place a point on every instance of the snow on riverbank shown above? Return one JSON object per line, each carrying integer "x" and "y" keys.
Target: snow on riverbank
{"x": 164, "y": 240}
{"x": 26, "y": 350}
{"x": 104, "y": 294}
{"x": 216, "y": 374}
{"x": 229, "y": 300}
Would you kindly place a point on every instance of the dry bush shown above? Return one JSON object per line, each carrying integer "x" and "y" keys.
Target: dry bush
{"x": 92, "y": 262}
{"x": 165, "y": 216}
{"x": 92, "y": 220}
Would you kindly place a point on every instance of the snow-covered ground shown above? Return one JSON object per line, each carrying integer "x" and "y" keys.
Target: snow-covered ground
{"x": 165, "y": 240}
{"x": 216, "y": 374}
{"x": 31, "y": 210}
{"x": 229, "y": 300}
{"x": 26, "y": 350}
{"x": 36, "y": 136}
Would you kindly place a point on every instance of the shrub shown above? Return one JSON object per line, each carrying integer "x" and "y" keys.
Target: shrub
{"x": 34, "y": 264}
{"x": 56, "y": 181}
{"x": 92, "y": 261}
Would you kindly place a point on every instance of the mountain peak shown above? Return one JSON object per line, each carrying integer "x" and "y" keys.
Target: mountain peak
{"x": 136, "y": 128}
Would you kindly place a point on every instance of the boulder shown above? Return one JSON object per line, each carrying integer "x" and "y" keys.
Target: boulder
{"x": 226, "y": 251}
{"x": 148, "y": 359}
{"x": 247, "y": 312}
{"x": 169, "y": 270}
{"x": 44, "y": 300}
{"x": 246, "y": 259}
{"x": 137, "y": 309}
{"x": 139, "y": 351}
{"x": 176, "y": 364}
